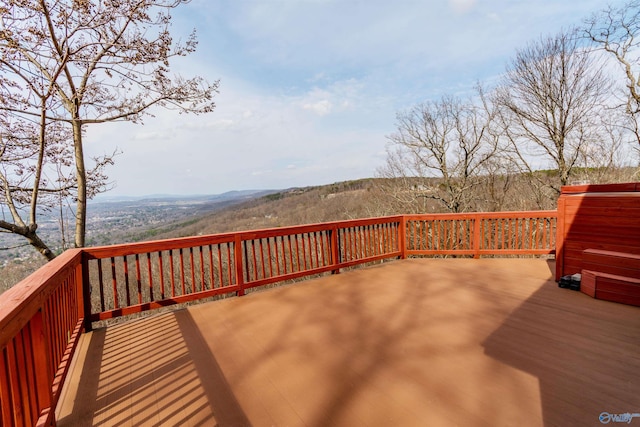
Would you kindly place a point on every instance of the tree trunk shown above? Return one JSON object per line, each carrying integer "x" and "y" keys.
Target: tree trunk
{"x": 81, "y": 176}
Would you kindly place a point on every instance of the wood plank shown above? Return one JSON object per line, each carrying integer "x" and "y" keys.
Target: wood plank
{"x": 415, "y": 342}
{"x": 618, "y": 263}
{"x": 611, "y": 211}
{"x": 601, "y": 188}
{"x": 611, "y": 287}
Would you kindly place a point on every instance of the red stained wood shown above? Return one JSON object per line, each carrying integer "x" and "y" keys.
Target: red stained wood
{"x": 360, "y": 241}
{"x": 617, "y": 263}
{"x": 150, "y": 276}
{"x": 601, "y": 217}
{"x": 611, "y": 287}
{"x": 413, "y": 343}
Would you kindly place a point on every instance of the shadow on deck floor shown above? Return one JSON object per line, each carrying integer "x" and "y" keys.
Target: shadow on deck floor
{"x": 420, "y": 342}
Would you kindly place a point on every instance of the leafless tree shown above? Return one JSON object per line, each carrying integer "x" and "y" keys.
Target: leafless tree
{"x": 616, "y": 32}
{"x": 76, "y": 63}
{"x": 448, "y": 139}
{"x": 552, "y": 96}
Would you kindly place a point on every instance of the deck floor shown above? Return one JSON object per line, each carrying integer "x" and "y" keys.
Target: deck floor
{"x": 419, "y": 342}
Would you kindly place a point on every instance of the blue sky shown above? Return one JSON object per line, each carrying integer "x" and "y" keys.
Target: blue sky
{"x": 310, "y": 88}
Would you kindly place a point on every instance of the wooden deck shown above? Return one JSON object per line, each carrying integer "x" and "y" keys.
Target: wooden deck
{"x": 419, "y": 342}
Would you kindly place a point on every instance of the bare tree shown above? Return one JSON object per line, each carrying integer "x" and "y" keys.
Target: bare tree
{"x": 616, "y": 32}
{"x": 86, "y": 62}
{"x": 440, "y": 150}
{"x": 551, "y": 98}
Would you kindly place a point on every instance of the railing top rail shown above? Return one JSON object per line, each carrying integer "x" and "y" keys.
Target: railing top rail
{"x": 471, "y": 215}
{"x": 186, "y": 242}
{"x": 19, "y": 303}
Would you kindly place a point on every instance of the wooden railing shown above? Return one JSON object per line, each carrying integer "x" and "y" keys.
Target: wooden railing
{"x": 136, "y": 277}
{"x": 41, "y": 318}
{"x": 483, "y": 233}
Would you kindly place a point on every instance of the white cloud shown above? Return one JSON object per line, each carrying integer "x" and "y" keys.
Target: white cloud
{"x": 321, "y": 108}
{"x": 309, "y": 89}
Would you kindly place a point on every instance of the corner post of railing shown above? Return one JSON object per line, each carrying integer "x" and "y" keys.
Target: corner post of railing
{"x": 335, "y": 249}
{"x": 402, "y": 236}
{"x": 85, "y": 288}
{"x": 560, "y": 236}
{"x": 477, "y": 223}
{"x": 239, "y": 262}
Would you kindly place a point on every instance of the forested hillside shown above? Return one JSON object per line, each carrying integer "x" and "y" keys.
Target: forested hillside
{"x": 381, "y": 196}
{"x": 343, "y": 200}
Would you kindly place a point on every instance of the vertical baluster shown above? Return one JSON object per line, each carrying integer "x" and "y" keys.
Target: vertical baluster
{"x": 172, "y": 270}
{"x": 150, "y": 276}
{"x": 277, "y": 239}
{"x": 6, "y": 402}
{"x": 499, "y": 234}
{"x": 355, "y": 237}
{"x": 309, "y": 239}
{"x": 101, "y": 284}
{"x": 211, "y": 268}
{"x": 203, "y": 285}
{"x": 362, "y": 240}
{"x": 306, "y": 250}
{"x": 114, "y": 283}
{"x": 161, "y": 273}
{"x": 138, "y": 279}
{"x": 193, "y": 271}
{"x": 126, "y": 279}
{"x": 270, "y": 255}
{"x": 348, "y": 252}
{"x": 533, "y": 235}
{"x": 30, "y": 383}
{"x": 465, "y": 234}
{"x": 19, "y": 372}
{"x": 230, "y": 263}
{"x": 255, "y": 260}
{"x": 297, "y": 239}
{"x": 453, "y": 230}
{"x": 313, "y": 250}
{"x": 182, "y": 272}
{"x": 426, "y": 234}
{"x": 323, "y": 246}
{"x": 365, "y": 240}
{"x": 290, "y": 257}
{"x": 264, "y": 270}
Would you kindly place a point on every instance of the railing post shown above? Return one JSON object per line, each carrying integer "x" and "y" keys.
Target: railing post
{"x": 335, "y": 249}
{"x": 560, "y": 236}
{"x": 402, "y": 237}
{"x": 477, "y": 221}
{"x": 85, "y": 291}
{"x": 238, "y": 261}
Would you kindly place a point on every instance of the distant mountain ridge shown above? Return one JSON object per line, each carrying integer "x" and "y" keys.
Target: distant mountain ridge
{"x": 229, "y": 195}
